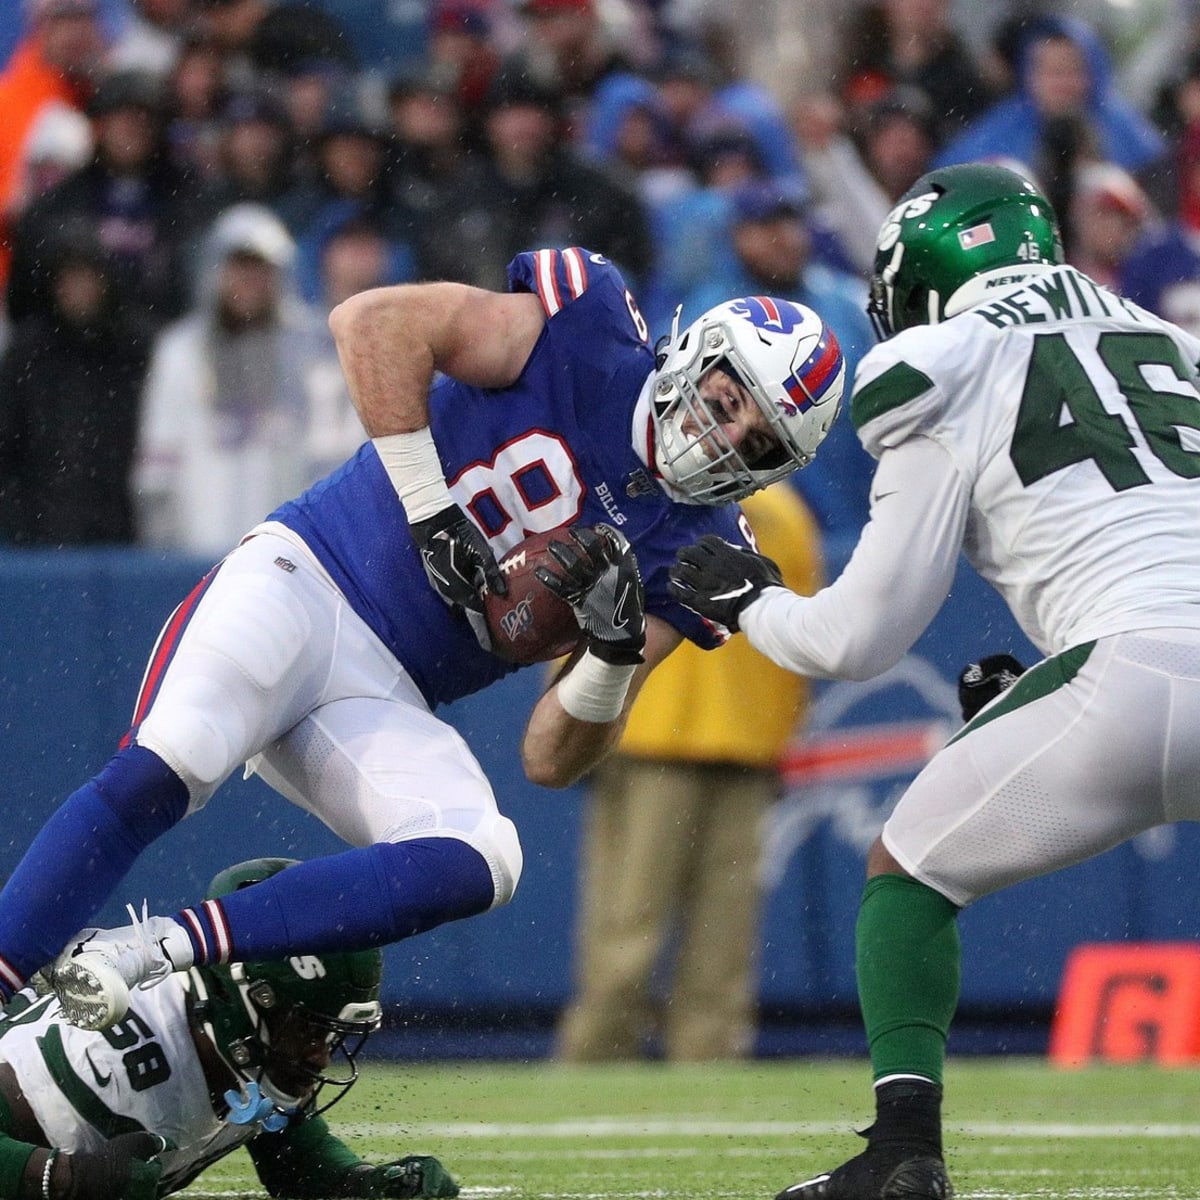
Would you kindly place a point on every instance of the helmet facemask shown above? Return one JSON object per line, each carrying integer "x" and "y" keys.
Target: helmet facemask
{"x": 881, "y": 301}
{"x": 291, "y": 1027}
{"x": 757, "y": 342}
{"x": 288, "y": 1049}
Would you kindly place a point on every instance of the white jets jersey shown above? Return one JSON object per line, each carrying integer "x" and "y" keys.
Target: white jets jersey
{"x": 142, "y": 1073}
{"x": 1074, "y": 418}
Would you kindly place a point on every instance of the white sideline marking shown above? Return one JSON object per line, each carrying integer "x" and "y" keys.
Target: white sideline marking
{"x": 709, "y": 1127}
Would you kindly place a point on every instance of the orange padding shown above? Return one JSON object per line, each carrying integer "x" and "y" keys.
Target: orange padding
{"x": 1128, "y": 1003}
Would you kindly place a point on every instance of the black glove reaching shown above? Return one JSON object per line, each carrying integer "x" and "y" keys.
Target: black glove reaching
{"x": 124, "y": 1168}
{"x": 983, "y": 681}
{"x": 457, "y": 559}
{"x": 717, "y": 579}
{"x": 418, "y": 1176}
{"x": 601, "y": 582}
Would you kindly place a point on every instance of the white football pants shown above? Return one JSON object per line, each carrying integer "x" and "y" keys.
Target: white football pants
{"x": 274, "y": 669}
{"x": 1054, "y": 772}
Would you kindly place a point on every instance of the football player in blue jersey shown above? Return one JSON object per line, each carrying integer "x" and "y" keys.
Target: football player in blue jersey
{"x": 317, "y": 651}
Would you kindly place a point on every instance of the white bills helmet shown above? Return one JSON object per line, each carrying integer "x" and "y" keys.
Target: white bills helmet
{"x": 789, "y": 361}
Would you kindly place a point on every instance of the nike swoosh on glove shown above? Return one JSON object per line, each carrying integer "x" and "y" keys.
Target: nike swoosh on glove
{"x": 600, "y": 580}
{"x": 457, "y": 559}
{"x": 718, "y": 580}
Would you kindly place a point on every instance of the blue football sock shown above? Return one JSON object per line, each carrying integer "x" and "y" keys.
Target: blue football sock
{"x": 81, "y": 854}
{"x": 350, "y": 901}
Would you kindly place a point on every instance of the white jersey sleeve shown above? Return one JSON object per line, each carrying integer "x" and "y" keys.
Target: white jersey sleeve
{"x": 895, "y": 582}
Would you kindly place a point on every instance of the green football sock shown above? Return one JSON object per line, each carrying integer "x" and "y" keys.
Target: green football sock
{"x": 907, "y": 955}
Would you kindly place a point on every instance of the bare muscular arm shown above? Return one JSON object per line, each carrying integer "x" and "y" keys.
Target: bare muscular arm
{"x": 391, "y": 340}
{"x": 557, "y": 748}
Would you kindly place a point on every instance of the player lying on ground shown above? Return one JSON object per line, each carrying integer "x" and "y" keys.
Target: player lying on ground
{"x": 318, "y": 649}
{"x": 1048, "y": 429}
{"x": 245, "y": 1054}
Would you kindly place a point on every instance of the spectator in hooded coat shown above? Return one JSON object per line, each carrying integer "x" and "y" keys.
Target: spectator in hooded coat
{"x": 1066, "y": 109}
{"x": 69, "y": 385}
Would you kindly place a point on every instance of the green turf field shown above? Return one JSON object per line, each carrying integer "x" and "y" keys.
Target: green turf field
{"x": 1015, "y": 1128}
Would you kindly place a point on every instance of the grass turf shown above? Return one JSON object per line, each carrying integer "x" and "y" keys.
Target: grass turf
{"x": 1015, "y": 1128}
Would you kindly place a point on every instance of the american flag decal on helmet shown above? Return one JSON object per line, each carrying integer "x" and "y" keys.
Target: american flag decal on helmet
{"x": 977, "y": 235}
{"x": 814, "y": 377}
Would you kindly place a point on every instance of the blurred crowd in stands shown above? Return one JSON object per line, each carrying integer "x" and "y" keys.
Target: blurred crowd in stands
{"x": 187, "y": 187}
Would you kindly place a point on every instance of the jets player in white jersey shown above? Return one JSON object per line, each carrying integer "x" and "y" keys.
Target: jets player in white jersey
{"x": 245, "y": 1054}
{"x": 1051, "y": 431}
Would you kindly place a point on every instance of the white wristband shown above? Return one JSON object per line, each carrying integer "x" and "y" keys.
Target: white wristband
{"x": 412, "y": 464}
{"x": 594, "y": 690}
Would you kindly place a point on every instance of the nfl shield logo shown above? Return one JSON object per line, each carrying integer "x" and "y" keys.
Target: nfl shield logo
{"x": 977, "y": 235}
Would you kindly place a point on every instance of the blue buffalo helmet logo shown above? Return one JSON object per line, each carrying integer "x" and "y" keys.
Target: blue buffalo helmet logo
{"x": 810, "y": 382}
{"x": 764, "y": 313}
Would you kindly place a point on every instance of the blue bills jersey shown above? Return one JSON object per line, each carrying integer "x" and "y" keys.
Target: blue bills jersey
{"x": 557, "y": 447}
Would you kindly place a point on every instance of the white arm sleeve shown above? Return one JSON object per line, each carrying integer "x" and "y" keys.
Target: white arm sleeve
{"x": 895, "y": 582}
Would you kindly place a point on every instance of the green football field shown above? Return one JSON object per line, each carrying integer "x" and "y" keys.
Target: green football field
{"x": 1015, "y": 1128}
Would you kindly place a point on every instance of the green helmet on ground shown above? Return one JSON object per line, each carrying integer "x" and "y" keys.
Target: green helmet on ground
{"x": 974, "y": 224}
{"x": 269, "y": 1020}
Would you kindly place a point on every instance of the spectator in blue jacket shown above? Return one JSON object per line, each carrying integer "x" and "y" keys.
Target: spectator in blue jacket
{"x": 1066, "y": 110}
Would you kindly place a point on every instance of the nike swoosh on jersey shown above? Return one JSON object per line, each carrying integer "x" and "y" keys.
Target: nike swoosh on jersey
{"x": 102, "y": 1080}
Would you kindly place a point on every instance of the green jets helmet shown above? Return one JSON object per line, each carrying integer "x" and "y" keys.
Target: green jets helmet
{"x": 956, "y": 225}
{"x": 291, "y": 1026}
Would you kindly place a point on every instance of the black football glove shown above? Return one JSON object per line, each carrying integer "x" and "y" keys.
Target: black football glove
{"x": 601, "y": 582}
{"x": 418, "y": 1175}
{"x": 457, "y": 559}
{"x": 717, "y": 579}
{"x": 983, "y": 681}
{"x": 124, "y": 1168}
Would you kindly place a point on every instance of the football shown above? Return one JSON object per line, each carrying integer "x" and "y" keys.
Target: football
{"x": 530, "y": 624}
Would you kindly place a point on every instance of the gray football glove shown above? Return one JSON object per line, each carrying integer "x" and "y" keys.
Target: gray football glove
{"x": 601, "y": 582}
{"x": 717, "y": 579}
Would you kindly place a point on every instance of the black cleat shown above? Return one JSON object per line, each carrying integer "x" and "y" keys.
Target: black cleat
{"x": 878, "y": 1175}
